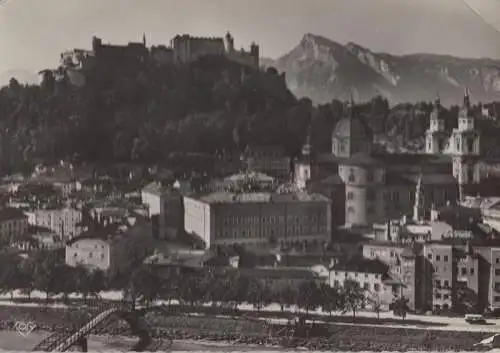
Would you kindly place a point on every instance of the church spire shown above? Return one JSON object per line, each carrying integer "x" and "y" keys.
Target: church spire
{"x": 350, "y": 107}
{"x": 466, "y": 98}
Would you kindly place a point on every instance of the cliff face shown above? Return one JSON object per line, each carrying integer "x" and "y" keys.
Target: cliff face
{"x": 323, "y": 69}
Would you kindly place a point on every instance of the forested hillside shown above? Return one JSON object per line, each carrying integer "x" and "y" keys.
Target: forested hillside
{"x": 145, "y": 113}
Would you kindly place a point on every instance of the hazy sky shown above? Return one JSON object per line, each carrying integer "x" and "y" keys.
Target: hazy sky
{"x": 34, "y": 32}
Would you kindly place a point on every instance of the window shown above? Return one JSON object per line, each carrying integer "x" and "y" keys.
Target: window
{"x": 350, "y": 196}
{"x": 464, "y": 271}
{"x": 497, "y": 272}
{"x": 376, "y": 287}
{"x": 472, "y": 270}
{"x": 366, "y": 286}
{"x": 497, "y": 298}
{"x": 446, "y": 296}
{"x": 437, "y": 296}
{"x": 445, "y": 258}
{"x": 351, "y": 178}
{"x": 446, "y": 284}
{"x": 437, "y": 283}
{"x": 369, "y": 176}
{"x": 438, "y": 257}
{"x": 90, "y": 255}
{"x": 429, "y": 256}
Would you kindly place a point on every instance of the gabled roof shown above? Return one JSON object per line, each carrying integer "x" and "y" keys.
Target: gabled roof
{"x": 362, "y": 159}
{"x": 11, "y": 214}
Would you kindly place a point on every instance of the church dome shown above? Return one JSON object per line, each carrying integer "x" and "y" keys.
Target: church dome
{"x": 349, "y": 127}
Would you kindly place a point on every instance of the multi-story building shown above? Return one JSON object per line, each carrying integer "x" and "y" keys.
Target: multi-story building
{"x": 271, "y": 160}
{"x": 372, "y": 276}
{"x": 285, "y": 219}
{"x": 165, "y": 209}
{"x": 113, "y": 248}
{"x": 13, "y": 225}
{"x": 402, "y": 262}
{"x": 380, "y": 186}
{"x": 65, "y": 222}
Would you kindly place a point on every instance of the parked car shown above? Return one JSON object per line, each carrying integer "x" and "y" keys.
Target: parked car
{"x": 475, "y": 319}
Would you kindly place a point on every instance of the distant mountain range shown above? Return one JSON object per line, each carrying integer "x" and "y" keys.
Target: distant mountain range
{"x": 322, "y": 70}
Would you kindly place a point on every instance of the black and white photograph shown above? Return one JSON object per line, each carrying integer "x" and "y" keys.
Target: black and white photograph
{"x": 249, "y": 175}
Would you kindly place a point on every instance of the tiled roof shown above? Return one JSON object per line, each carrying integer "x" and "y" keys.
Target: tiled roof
{"x": 397, "y": 179}
{"x": 361, "y": 265}
{"x": 279, "y": 272}
{"x": 10, "y": 214}
{"x": 408, "y": 253}
{"x": 333, "y": 179}
{"x": 411, "y": 159}
{"x": 361, "y": 159}
{"x": 261, "y": 197}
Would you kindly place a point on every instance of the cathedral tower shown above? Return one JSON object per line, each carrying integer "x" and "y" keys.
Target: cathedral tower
{"x": 465, "y": 146}
{"x": 435, "y": 136}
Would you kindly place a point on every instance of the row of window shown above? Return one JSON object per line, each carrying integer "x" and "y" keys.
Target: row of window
{"x": 90, "y": 255}
{"x": 463, "y": 271}
{"x": 266, "y": 232}
{"x": 356, "y": 274}
{"x": 370, "y": 195}
{"x": 370, "y": 177}
{"x": 272, "y": 219}
{"x": 438, "y": 257}
{"x": 366, "y": 286}
{"x": 444, "y": 296}
{"x": 446, "y": 283}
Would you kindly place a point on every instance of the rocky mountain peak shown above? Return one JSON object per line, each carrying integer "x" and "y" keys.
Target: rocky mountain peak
{"x": 323, "y": 69}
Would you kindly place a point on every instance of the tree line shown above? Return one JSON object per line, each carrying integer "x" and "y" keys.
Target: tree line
{"x": 147, "y": 284}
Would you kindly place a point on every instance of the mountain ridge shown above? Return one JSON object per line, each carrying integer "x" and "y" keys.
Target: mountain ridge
{"x": 322, "y": 69}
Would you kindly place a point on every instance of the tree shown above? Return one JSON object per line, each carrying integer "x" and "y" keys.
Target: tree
{"x": 353, "y": 297}
{"x": 330, "y": 298}
{"x": 287, "y": 296}
{"x": 259, "y": 293}
{"x": 376, "y": 302}
{"x": 43, "y": 275}
{"x": 467, "y": 301}
{"x": 309, "y": 296}
{"x": 191, "y": 289}
{"x": 400, "y": 306}
{"x": 145, "y": 285}
{"x": 62, "y": 279}
{"x": 9, "y": 278}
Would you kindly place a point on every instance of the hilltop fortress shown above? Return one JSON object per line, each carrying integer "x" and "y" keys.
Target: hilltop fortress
{"x": 182, "y": 49}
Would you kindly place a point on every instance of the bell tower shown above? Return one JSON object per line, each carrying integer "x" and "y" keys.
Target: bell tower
{"x": 465, "y": 147}
{"x": 435, "y": 136}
